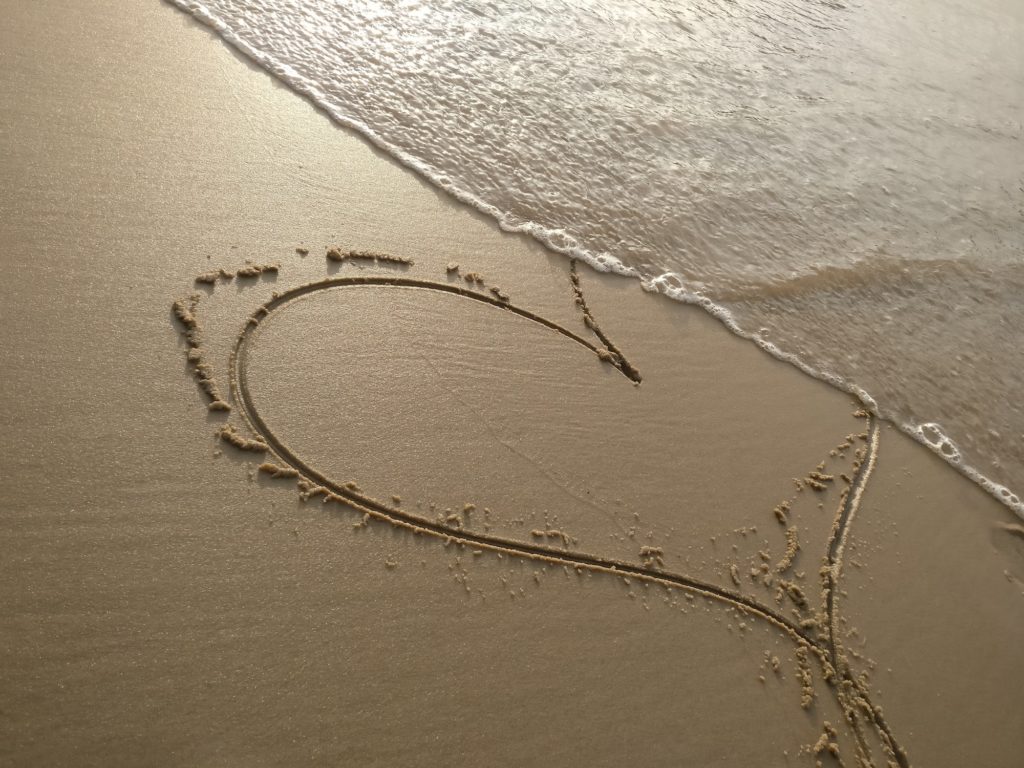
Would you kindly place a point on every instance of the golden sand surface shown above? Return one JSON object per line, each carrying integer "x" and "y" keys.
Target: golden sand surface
{"x": 305, "y": 464}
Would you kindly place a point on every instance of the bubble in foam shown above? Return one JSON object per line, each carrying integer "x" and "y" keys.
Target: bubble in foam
{"x": 931, "y": 434}
{"x": 563, "y": 241}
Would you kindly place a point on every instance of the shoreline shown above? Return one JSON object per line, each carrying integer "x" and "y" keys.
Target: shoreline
{"x": 176, "y": 597}
{"x": 668, "y": 284}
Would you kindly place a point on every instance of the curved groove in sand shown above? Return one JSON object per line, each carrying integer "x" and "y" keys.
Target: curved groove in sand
{"x": 837, "y": 541}
{"x": 293, "y": 294}
{"x": 375, "y": 508}
{"x": 823, "y": 648}
{"x": 833, "y": 567}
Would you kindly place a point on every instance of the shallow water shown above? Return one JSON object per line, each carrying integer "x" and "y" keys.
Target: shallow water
{"x": 842, "y": 182}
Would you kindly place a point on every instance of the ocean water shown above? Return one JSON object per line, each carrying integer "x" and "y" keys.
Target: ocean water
{"x": 840, "y": 182}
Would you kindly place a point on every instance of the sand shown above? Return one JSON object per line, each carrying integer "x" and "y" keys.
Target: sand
{"x": 528, "y": 518}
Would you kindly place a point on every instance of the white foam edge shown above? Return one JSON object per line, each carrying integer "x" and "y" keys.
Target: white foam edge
{"x": 669, "y": 284}
{"x": 929, "y": 434}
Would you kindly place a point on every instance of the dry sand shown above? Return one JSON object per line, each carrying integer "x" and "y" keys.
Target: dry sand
{"x": 166, "y": 602}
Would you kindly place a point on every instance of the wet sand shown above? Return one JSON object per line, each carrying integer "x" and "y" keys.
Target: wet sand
{"x": 532, "y": 560}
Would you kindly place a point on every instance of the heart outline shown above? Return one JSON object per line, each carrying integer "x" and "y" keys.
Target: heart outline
{"x": 825, "y": 650}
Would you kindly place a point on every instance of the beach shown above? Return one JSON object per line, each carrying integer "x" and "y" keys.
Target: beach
{"x": 508, "y": 510}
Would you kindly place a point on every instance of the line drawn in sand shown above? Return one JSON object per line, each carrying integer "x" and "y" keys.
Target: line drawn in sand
{"x": 815, "y": 632}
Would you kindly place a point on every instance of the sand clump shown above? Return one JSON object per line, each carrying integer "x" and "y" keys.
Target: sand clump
{"x": 477, "y": 280}
{"x": 653, "y": 557}
{"x": 553, "y": 533}
{"x": 339, "y": 256}
{"x": 185, "y": 312}
{"x": 229, "y": 435}
{"x": 827, "y": 743}
{"x": 248, "y": 270}
{"x": 781, "y": 512}
{"x": 275, "y": 470}
{"x": 792, "y": 547}
{"x": 805, "y": 677}
{"x": 255, "y": 270}
{"x": 208, "y": 278}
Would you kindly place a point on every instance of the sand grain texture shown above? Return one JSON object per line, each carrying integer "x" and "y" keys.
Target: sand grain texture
{"x": 169, "y": 601}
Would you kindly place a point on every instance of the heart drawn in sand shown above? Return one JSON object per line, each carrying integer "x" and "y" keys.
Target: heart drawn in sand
{"x": 778, "y": 595}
